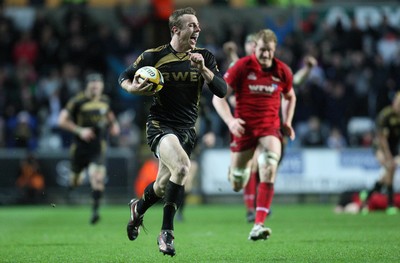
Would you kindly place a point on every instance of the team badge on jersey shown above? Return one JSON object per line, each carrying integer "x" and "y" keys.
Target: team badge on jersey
{"x": 252, "y": 76}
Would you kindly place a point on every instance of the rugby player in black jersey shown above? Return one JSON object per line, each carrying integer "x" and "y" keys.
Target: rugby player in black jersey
{"x": 170, "y": 125}
{"x": 386, "y": 147}
{"x": 88, "y": 115}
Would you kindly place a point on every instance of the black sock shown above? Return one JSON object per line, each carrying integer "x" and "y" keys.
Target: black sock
{"x": 377, "y": 188}
{"x": 96, "y": 195}
{"x": 390, "y": 195}
{"x": 182, "y": 201}
{"x": 148, "y": 199}
{"x": 172, "y": 194}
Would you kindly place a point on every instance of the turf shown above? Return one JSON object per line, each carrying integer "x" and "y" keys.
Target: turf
{"x": 209, "y": 233}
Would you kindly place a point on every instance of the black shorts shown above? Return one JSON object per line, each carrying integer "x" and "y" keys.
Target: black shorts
{"x": 155, "y": 131}
{"x": 81, "y": 158}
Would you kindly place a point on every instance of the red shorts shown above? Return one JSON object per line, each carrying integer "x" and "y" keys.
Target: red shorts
{"x": 250, "y": 139}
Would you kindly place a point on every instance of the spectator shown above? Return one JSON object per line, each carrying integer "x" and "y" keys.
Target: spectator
{"x": 366, "y": 60}
{"x": 314, "y": 136}
{"x": 22, "y": 130}
{"x": 336, "y": 139}
{"x": 25, "y": 49}
{"x": 30, "y": 181}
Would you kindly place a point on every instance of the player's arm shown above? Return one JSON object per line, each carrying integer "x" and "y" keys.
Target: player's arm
{"x": 221, "y": 105}
{"x": 130, "y": 83}
{"x": 301, "y": 75}
{"x": 215, "y": 82}
{"x": 288, "y": 107}
{"x": 65, "y": 122}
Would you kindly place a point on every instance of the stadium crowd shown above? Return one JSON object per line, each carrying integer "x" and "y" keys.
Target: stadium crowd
{"x": 43, "y": 66}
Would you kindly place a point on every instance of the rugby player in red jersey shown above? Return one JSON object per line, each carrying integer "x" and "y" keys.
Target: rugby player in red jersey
{"x": 250, "y": 189}
{"x": 258, "y": 81}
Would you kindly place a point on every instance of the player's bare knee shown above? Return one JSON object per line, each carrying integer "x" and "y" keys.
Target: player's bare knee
{"x": 268, "y": 160}
{"x": 182, "y": 170}
{"x": 239, "y": 177}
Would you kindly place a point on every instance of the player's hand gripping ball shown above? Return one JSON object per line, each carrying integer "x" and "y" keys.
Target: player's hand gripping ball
{"x": 153, "y": 76}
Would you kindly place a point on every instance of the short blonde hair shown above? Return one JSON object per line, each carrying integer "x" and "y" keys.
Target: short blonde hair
{"x": 266, "y": 35}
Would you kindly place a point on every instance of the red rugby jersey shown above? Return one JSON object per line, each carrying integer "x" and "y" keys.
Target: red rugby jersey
{"x": 258, "y": 91}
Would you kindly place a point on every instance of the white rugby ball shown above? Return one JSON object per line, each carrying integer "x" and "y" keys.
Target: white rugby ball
{"x": 152, "y": 75}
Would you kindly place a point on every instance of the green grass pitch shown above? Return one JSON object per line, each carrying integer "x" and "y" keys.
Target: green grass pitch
{"x": 210, "y": 233}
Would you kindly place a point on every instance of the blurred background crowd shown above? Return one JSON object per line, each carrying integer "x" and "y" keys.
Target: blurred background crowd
{"x": 42, "y": 65}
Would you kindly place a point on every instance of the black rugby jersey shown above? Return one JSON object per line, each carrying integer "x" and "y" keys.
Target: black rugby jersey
{"x": 177, "y": 104}
{"x": 90, "y": 114}
{"x": 388, "y": 122}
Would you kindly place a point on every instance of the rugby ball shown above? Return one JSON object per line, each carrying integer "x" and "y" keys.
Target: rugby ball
{"x": 152, "y": 75}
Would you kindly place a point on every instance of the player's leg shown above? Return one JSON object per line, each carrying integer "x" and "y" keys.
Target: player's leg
{"x": 388, "y": 181}
{"x": 97, "y": 174}
{"x": 239, "y": 171}
{"x": 153, "y": 192}
{"x": 75, "y": 180}
{"x": 188, "y": 189}
{"x": 250, "y": 189}
{"x": 267, "y": 162}
{"x": 365, "y": 197}
{"x": 138, "y": 207}
{"x": 177, "y": 160}
{"x": 76, "y": 176}
{"x": 78, "y": 164}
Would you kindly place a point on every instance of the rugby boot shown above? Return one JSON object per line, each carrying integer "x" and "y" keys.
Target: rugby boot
{"x": 259, "y": 232}
{"x": 135, "y": 221}
{"x": 95, "y": 218}
{"x": 165, "y": 242}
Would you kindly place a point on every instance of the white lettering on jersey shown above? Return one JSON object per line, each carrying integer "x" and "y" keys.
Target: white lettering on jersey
{"x": 268, "y": 89}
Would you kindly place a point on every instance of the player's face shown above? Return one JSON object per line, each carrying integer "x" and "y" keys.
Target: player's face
{"x": 189, "y": 33}
{"x": 94, "y": 89}
{"x": 265, "y": 52}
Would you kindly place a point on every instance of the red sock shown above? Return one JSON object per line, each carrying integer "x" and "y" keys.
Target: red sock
{"x": 249, "y": 192}
{"x": 264, "y": 200}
